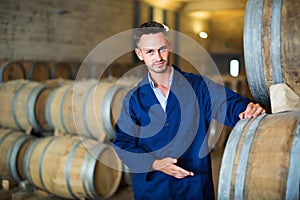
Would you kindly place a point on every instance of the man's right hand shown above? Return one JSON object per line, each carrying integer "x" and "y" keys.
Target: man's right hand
{"x": 168, "y": 166}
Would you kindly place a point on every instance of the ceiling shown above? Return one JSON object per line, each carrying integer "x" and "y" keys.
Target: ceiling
{"x": 211, "y": 9}
{"x": 210, "y": 5}
{"x": 189, "y": 6}
{"x": 226, "y": 17}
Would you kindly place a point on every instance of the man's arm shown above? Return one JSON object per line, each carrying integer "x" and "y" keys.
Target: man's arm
{"x": 135, "y": 157}
{"x": 126, "y": 140}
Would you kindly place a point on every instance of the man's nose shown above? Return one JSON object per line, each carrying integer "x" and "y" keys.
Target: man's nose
{"x": 158, "y": 56}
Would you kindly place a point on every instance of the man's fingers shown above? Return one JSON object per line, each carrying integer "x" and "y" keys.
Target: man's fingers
{"x": 160, "y": 164}
{"x": 167, "y": 165}
{"x": 249, "y": 107}
{"x": 179, "y": 176}
{"x": 170, "y": 160}
{"x": 242, "y": 115}
{"x": 246, "y": 113}
{"x": 252, "y": 110}
{"x": 258, "y": 111}
{"x": 180, "y": 172}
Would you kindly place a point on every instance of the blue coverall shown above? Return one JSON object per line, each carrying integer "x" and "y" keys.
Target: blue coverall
{"x": 144, "y": 133}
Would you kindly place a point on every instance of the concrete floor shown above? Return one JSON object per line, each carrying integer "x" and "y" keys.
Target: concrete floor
{"x": 123, "y": 193}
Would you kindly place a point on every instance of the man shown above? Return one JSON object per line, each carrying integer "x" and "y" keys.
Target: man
{"x": 161, "y": 132}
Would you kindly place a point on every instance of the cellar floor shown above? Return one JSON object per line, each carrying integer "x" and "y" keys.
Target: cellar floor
{"x": 123, "y": 193}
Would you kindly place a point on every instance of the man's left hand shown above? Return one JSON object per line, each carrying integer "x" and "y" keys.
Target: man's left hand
{"x": 252, "y": 111}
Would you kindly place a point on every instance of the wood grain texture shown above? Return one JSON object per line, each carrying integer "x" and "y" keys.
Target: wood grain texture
{"x": 73, "y": 167}
{"x": 268, "y": 163}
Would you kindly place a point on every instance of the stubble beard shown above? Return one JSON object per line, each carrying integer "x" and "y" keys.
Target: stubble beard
{"x": 159, "y": 70}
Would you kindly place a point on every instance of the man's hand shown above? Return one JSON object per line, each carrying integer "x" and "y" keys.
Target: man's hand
{"x": 167, "y": 166}
{"x": 252, "y": 111}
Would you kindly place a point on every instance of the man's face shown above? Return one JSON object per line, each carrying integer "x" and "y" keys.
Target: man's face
{"x": 154, "y": 51}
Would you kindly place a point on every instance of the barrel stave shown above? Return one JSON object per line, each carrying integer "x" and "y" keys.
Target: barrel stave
{"x": 267, "y": 163}
{"x": 73, "y": 167}
{"x": 271, "y": 46}
{"x": 11, "y": 70}
{"x": 12, "y": 143}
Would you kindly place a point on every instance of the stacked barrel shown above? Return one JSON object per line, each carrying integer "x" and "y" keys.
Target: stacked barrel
{"x": 56, "y": 134}
{"x": 36, "y": 70}
{"x": 44, "y": 70}
{"x": 11, "y": 71}
{"x": 262, "y": 155}
{"x": 271, "y": 46}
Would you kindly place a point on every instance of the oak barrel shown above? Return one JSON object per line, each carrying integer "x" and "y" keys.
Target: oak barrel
{"x": 126, "y": 179}
{"x": 271, "y": 46}
{"x": 217, "y": 137}
{"x": 60, "y": 70}
{"x": 73, "y": 168}
{"x": 58, "y": 82}
{"x": 74, "y": 69}
{"x": 37, "y": 71}
{"x": 11, "y": 70}
{"x": 261, "y": 159}
{"x": 12, "y": 144}
{"x": 23, "y": 103}
{"x": 87, "y": 108}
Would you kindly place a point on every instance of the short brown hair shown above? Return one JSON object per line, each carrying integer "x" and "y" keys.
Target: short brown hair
{"x": 148, "y": 28}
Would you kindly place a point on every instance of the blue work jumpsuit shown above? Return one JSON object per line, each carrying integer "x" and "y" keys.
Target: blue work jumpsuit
{"x": 144, "y": 133}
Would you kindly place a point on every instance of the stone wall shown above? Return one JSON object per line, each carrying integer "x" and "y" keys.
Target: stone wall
{"x": 59, "y": 30}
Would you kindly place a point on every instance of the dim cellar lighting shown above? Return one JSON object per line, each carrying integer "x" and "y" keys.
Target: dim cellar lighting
{"x": 234, "y": 68}
{"x": 203, "y": 35}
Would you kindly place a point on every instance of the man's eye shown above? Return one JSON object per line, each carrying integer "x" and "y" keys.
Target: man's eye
{"x": 162, "y": 49}
{"x": 150, "y": 52}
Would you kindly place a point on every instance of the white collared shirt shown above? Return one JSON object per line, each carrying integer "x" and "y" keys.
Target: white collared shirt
{"x": 158, "y": 93}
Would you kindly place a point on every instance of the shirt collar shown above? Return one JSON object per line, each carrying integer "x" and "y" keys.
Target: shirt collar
{"x": 170, "y": 79}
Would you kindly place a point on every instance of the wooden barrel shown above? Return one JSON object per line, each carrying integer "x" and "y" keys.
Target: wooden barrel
{"x": 86, "y": 108}
{"x": 58, "y": 82}
{"x": 74, "y": 67}
{"x": 86, "y": 71}
{"x": 73, "y": 168}
{"x": 59, "y": 108}
{"x": 111, "y": 96}
{"x": 217, "y": 137}
{"x": 10, "y": 70}
{"x": 60, "y": 70}
{"x": 271, "y": 46}
{"x": 261, "y": 159}
{"x": 23, "y": 103}
{"x": 37, "y": 71}
{"x": 126, "y": 179}
{"x": 12, "y": 143}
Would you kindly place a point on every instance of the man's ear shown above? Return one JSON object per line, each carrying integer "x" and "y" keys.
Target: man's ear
{"x": 138, "y": 53}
